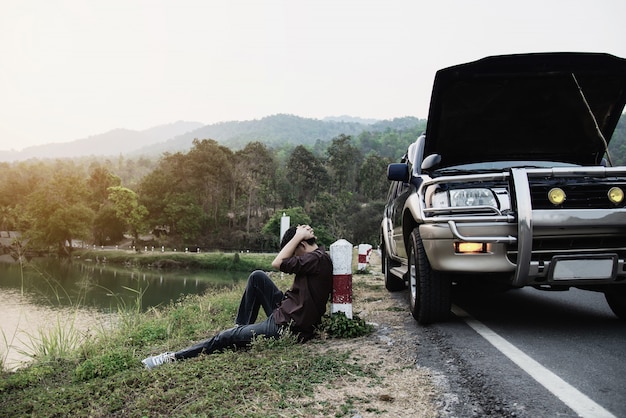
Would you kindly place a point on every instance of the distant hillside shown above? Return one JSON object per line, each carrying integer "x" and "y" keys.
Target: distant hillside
{"x": 277, "y": 130}
{"x": 114, "y": 142}
{"x": 274, "y": 131}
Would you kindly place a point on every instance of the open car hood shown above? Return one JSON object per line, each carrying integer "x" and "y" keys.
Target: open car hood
{"x": 526, "y": 107}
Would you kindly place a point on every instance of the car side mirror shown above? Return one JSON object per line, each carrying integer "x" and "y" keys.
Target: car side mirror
{"x": 398, "y": 172}
{"x": 431, "y": 161}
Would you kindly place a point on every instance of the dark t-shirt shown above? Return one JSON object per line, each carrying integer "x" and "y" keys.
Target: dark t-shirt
{"x": 304, "y": 304}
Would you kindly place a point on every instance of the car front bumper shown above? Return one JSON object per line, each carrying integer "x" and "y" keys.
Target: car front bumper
{"x": 564, "y": 246}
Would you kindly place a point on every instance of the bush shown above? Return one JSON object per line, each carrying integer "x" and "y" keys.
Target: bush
{"x": 338, "y": 325}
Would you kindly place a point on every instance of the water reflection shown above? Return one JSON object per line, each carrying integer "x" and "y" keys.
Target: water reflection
{"x": 107, "y": 288}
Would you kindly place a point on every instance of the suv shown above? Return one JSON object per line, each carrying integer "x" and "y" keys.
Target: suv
{"x": 512, "y": 183}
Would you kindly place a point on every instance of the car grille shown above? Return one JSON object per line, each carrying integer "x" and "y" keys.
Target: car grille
{"x": 588, "y": 194}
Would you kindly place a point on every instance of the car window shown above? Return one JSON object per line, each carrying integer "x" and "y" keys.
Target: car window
{"x": 396, "y": 189}
{"x": 488, "y": 166}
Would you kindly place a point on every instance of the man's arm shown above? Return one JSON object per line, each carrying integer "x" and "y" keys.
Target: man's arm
{"x": 303, "y": 232}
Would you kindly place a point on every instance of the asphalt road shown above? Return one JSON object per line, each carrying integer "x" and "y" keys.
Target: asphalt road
{"x": 572, "y": 335}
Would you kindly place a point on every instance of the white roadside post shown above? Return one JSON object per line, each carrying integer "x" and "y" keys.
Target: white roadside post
{"x": 341, "y": 256}
{"x": 284, "y": 225}
{"x": 364, "y": 256}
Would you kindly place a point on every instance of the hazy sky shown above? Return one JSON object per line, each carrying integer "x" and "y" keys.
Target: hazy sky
{"x": 74, "y": 68}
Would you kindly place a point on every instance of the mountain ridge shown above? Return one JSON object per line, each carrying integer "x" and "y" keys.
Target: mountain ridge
{"x": 273, "y": 131}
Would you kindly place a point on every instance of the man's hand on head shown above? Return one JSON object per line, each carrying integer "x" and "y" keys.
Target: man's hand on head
{"x": 304, "y": 232}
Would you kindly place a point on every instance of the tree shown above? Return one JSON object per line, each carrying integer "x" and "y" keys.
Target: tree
{"x": 108, "y": 228}
{"x": 255, "y": 173}
{"x": 330, "y": 212}
{"x": 208, "y": 173}
{"x": 155, "y": 191}
{"x": 364, "y": 223}
{"x": 344, "y": 161}
{"x": 185, "y": 216}
{"x": 372, "y": 181}
{"x": 100, "y": 179}
{"x": 126, "y": 206}
{"x": 8, "y": 218}
{"x": 306, "y": 176}
{"x": 58, "y": 212}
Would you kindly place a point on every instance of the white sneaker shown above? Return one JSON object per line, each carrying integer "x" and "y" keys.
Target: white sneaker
{"x": 154, "y": 361}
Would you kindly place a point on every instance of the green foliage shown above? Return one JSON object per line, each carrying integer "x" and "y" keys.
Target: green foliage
{"x": 100, "y": 179}
{"x": 59, "y": 340}
{"x": 364, "y": 222}
{"x": 126, "y": 205}
{"x": 56, "y": 211}
{"x": 185, "y": 216}
{"x": 338, "y": 325}
{"x": 147, "y": 333}
{"x": 372, "y": 181}
{"x": 32, "y": 375}
{"x": 108, "y": 228}
{"x": 105, "y": 365}
{"x": 344, "y": 160}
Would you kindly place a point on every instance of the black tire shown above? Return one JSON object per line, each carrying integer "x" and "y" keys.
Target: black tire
{"x": 616, "y": 298}
{"x": 429, "y": 290}
{"x": 392, "y": 283}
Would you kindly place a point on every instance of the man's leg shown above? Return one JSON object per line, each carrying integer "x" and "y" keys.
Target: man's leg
{"x": 240, "y": 336}
{"x": 260, "y": 292}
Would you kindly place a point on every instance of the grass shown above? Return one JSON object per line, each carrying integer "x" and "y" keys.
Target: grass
{"x": 206, "y": 261}
{"x": 103, "y": 375}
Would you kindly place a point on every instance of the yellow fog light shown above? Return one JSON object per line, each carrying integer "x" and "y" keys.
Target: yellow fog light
{"x": 616, "y": 195}
{"x": 556, "y": 196}
{"x": 470, "y": 247}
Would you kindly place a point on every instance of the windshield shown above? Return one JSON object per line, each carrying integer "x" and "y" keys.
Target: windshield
{"x": 496, "y": 166}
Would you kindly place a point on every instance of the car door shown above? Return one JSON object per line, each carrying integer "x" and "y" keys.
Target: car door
{"x": 398, "y": 193}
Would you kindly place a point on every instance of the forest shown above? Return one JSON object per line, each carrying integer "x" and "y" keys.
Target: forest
{"x": 212, "y": 197}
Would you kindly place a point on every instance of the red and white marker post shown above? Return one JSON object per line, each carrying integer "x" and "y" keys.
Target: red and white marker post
{"x": 365, "y": 250}
{"x": 341, "y": 256}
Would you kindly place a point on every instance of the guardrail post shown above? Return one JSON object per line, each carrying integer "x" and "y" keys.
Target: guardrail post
{"x": 341, "y": 256}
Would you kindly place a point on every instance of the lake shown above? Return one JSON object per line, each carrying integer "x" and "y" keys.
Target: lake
{"x": 41, "y": 295}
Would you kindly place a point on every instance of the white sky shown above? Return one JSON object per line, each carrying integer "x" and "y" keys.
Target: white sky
{"x": 74, "y": 68}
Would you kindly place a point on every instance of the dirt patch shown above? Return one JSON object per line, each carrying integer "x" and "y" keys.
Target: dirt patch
{"x": 400, "y": 387}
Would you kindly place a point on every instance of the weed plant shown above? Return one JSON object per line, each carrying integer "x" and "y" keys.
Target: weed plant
{"x": 105, "y": 377}
{"x": 338, "y": 325}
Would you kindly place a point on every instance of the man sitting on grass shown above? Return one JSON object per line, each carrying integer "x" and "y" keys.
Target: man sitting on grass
{"x": 299, "y": 309}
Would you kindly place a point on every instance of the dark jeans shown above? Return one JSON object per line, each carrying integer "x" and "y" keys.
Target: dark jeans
{"x": 260, "y": 292}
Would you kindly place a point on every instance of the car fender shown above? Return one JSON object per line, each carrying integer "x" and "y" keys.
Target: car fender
{"x": 385, "y": 228}
{"x": 412, "y": 216}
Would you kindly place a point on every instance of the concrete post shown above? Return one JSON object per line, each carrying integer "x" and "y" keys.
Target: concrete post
{"x": 284, "y": 225}
{"x": 341, "y": 256}
{"x": 364, "y": 256}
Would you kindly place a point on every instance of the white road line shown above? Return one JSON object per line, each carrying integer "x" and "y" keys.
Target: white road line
{"x": 572, "y": 397}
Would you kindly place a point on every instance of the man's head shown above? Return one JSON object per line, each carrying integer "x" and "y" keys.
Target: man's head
{"x": 290, "y": 233}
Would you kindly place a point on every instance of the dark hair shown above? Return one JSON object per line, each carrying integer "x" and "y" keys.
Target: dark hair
{"x": 289, "y": 234}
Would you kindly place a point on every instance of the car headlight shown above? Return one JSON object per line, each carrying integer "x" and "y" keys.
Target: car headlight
{"x": 464, "y": 197}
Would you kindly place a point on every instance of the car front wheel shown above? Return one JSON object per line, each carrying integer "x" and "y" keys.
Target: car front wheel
{"x": 616, "y": 298}
{"x": 429, "y": 290}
